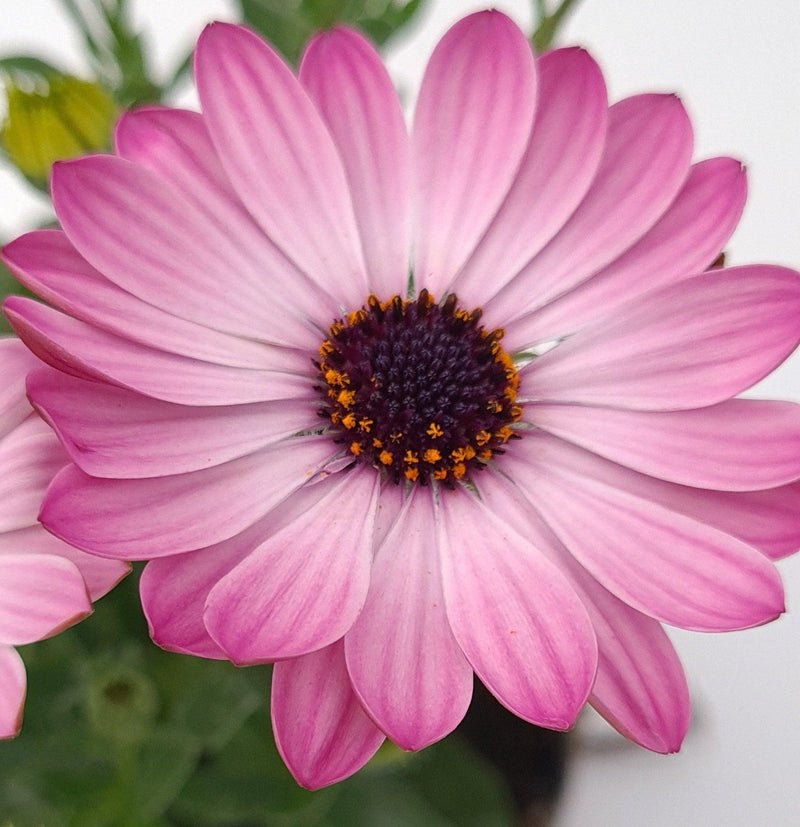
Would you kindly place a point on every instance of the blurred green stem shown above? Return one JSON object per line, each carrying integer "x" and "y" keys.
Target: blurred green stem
{"x": 549, "y": 23}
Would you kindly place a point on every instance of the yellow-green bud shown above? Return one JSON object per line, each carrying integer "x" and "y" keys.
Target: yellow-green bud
{"x": 62, "y": 118}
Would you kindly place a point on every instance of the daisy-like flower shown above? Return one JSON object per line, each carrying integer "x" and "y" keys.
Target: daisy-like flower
{"x": 388, "y": 409}
{"x": 45, "y": 585}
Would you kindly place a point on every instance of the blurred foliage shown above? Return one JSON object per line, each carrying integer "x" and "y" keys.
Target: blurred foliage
{"x": 119, "y": 733}
{"x": 288, "y": 24}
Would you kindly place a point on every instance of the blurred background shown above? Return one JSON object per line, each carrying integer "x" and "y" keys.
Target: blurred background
{"x": 735, "y": 64}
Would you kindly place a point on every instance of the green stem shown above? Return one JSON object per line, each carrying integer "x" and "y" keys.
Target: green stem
{"x": 549, "y": 24}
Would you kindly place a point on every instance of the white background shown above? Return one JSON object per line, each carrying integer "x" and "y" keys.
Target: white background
{"x": 735, "y": 64}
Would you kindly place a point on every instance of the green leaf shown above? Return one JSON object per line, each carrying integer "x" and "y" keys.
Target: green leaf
{"x": 28, "y": 65}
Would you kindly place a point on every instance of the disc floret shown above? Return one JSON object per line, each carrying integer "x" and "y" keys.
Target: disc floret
{"x": 419, "y": 390}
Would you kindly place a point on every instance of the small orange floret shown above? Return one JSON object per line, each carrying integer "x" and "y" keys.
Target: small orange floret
{"x": 349, "y": 422}
{"x": 386, "y": 458}
{"x": 355, "y": 448}
{"x": 431, "y": 455}
{"x": 411, "y": 474}
{"x": 434, "y": 431}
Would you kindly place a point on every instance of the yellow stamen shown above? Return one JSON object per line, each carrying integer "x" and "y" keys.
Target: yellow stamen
{"x": 349, "y": 422}
{"x": 411, "y": 458}
{"x": 411, "y": 474}
{"x": 434, "y": 431}
{"x": 355, "y": 448}
{"x": 431, "y": 455}
{"x": 386, "y": 458}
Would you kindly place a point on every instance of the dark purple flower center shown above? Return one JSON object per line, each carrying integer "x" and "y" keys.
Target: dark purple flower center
{"x": 417, "y": 389}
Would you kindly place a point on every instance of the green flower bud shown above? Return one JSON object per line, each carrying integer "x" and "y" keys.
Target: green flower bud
{"x": 61, "y": 118}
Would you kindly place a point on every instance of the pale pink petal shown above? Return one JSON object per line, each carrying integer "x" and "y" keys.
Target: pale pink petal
{"x": 39, "y": 597}
{"x": 640, "y": 687}
{"x": 696, "y": 342}
{"x": 404, "y": 662}
{"x": 99, "y": 573}
{"x": 560, "y": 163}
{"x": 302, "y": 588}
{"x": 280, "y": 157}
{"x": 143, "y": 235}
{"x": 522, "y": 627}
{"x": 29, "y": 458}
{"x": 16, "y": 360}
{"x": 321, "y": 731}
{"x": 46, "y": 263}
{"x": 471, "y": 127}
{"x": 141, "y": 519}
{"x": 646, "y": 160}
{"x": 113, "y": 432}
{"x": 345, "y": 77}
{"x": 685, "y": 240}
{"x": 737, "y": 445}
{"x": 176, "y": 146}
{"x": 12, "y": 692}
{"x": 85, "y": 351}
{"x": 662, "y": 562}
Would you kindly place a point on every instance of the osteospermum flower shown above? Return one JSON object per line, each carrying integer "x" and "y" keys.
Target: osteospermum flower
{"x": 45, "y": 585}
{"x": 391, "y": 409}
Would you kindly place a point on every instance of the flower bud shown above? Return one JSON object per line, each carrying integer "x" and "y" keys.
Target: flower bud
{"x": 63, "y": 117}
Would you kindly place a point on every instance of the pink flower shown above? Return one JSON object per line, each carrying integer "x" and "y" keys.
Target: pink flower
{"x": 353, "y": 473}
{"x": 45, "y": 585}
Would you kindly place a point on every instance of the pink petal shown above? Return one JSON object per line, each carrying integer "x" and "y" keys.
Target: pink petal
{"x": 174, "y": 592}
{"x": 560, "y": 162}
{"x": 321, "y": 731}
{"x": 520, "y": 624}
{"x": 646, "y": 160}
{"x": 471, "y": 127}
{"x": 176, "y": 146}
{"x": 141, "y": 519}
{"x": 640, "y": 687}
{"x": 15, "y": 360}
{"x": 345, "y": 77}
{"x": 696, "y": 342}
{"x": 404, "y": 662}
{"x": 39, "y": 597}
{"x": 146, "y": 237}
{"x": 12, "y": 692}
{"x": 663, "y": 563}
{"x": 764, "y": 519}
{"x": 99, "y": 573}
{"x": 280, "y": 157}
{"x": 303, "y": 587}
{"x": 684, "y": 241}
{"x": 46, "y": 263}
{"x": 29, "y": 457}
{"x": 88, "y": 352}
{"x": 737, "y": 445}
{"x": 112, "y": 432}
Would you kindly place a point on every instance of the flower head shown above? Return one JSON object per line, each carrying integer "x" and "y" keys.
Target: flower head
{"x": 45, "y": 585}
{"x": 389, "y": 409}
